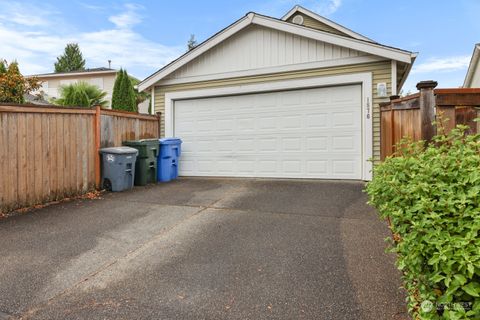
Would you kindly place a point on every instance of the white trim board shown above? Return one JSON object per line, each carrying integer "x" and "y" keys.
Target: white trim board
{"x": 472, "y": 67}
{"x": 252, "y": 18}
{"x": 152, "y": 101}
{"x": 272, "y": 70}
{"x": 365, "y": 79}
{"x": 326, "y": 21}
{"x": 394, "y": 78}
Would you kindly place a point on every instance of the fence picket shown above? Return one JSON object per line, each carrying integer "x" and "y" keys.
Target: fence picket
{"x": 49, "y": 153}
{"x": 402, "y": 117}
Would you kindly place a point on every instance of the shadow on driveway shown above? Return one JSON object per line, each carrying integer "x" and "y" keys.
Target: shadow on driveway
{"x": 203, "y": 249}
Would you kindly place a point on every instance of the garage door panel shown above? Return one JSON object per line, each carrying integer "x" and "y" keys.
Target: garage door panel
{"x": 245, "y": 125}
{"x": 317, "y": 120}
{"x": 258, "y": 166}
{"x": 317, "y": 167}
{"x": 345, "y": 167}
{"x": 313, "y": 133}
{"x": 344, "y": 143}
{"x": 315, "y": 144}
{"x": 291, "y": 122}
{"x": 344, "y": 119}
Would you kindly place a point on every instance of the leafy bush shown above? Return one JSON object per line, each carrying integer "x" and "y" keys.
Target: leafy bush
{"x": 431, "y": 196}
{"x": 13, "y": 86}
{"x": 81, "y": 94}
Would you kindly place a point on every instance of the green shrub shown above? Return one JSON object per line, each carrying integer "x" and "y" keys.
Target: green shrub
{"x": 431, "y": 197}
{"x": 81, "y": 94}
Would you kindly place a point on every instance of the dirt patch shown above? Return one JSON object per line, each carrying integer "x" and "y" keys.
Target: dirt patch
{"x": 93, "y": 195}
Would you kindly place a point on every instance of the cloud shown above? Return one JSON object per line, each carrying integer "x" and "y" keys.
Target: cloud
{"x": 280, "y": 7}
{"x": 327, "y": 7}
{"x": 15, "y": 13}
{"x": 36, "y": 45}
{"x": 128, "y": 18}
{"x": 446, "y": 64}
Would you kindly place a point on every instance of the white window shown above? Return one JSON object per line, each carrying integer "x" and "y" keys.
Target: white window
{"x": 97, "y": 82}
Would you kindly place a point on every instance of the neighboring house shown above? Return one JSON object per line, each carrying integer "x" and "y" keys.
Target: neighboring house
{"x": 144, "y": 106}
{"x": 103, "y": 78}
{"x": 296, "y": 97}
{"x": 472, "y": 80}
{"x": 37, "y": 99}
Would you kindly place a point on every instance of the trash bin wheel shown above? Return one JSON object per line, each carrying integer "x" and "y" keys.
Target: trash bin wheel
{"x": 107, "y": 185}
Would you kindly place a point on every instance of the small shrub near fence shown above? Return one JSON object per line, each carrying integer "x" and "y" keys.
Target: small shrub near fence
{"x": 431, "y": 197}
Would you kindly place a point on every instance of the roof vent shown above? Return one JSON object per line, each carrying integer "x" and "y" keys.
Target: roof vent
{"x": 298, "y": 19}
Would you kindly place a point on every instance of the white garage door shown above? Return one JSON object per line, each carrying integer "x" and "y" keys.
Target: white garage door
{"x": 311, "y": 133}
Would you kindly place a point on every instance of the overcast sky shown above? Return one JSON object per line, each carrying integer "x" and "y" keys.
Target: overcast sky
{"x": 142, "y": 36}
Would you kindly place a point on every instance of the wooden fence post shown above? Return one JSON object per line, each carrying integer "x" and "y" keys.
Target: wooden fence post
{"x": 478, "y": 122}
{"x": 392, "y": 125}
{"x": 159, "y": 115}
{"x": 427, "y": 108}
{"x": 96, "y": 146}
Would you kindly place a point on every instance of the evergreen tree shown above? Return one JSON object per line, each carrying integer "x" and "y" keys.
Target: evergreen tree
{"x": 70, "y": 60}
{"x": 123, "y": 97}
{"x": 116, "y": 98}
{"x": 3, "y": 67}
{"x": 192, "y": 43}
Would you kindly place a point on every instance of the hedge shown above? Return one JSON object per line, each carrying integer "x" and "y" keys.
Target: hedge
{"x": 430, "y": 194}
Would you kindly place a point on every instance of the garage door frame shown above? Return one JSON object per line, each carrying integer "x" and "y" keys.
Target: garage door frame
{"x": 364, "y": 79}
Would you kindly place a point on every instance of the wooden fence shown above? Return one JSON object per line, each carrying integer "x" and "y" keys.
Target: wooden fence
{"x": 118, "y": 126}
{"x": 413, "y": 116}
{"x": 49, "y": 153}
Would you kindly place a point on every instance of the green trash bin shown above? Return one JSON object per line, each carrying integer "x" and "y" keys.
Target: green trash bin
{"x": 146, "y": 164}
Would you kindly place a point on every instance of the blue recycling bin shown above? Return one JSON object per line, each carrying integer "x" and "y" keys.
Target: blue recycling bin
{"x": 167, "y": 161}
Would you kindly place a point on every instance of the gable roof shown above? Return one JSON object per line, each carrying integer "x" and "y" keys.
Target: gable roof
{"x": 473, "y": 68}
{"x": 101, "y": 70}
{"x": 281, "y": 25}
{"x": 341, "y": 29}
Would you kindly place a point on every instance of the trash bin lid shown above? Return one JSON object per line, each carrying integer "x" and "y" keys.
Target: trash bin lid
{"x": 141, "y": 142}
{"x": 170, "y": 141}
{"x": 119, "y": 150}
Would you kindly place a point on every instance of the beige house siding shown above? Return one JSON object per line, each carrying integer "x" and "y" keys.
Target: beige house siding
{"x": 381, "y": 73}
{"x": 315, "y": 24}
{"x": 52, "y": 84}
{"x": 475, "y": 80}
{"x": 259, "y": 47}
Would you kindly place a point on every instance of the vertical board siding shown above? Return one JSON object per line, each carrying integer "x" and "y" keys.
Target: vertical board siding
{"x": 48, "y": 153}
{"x": 315, "y": 24}
{"x": 261, "y": 47}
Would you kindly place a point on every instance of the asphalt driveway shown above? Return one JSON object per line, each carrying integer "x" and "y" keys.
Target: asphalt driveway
{"x": 202, "y": 249}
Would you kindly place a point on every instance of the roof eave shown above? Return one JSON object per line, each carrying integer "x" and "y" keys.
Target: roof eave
{"x": 56, "y": 75}
{"x": 356, "y": 44}
{"x": 252, "y": 18}
{"x": 407, "y": 71}
{"x": 472, "y": 67}
{"x": 238, "y": 25}
{"x": 326, "y": 21}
